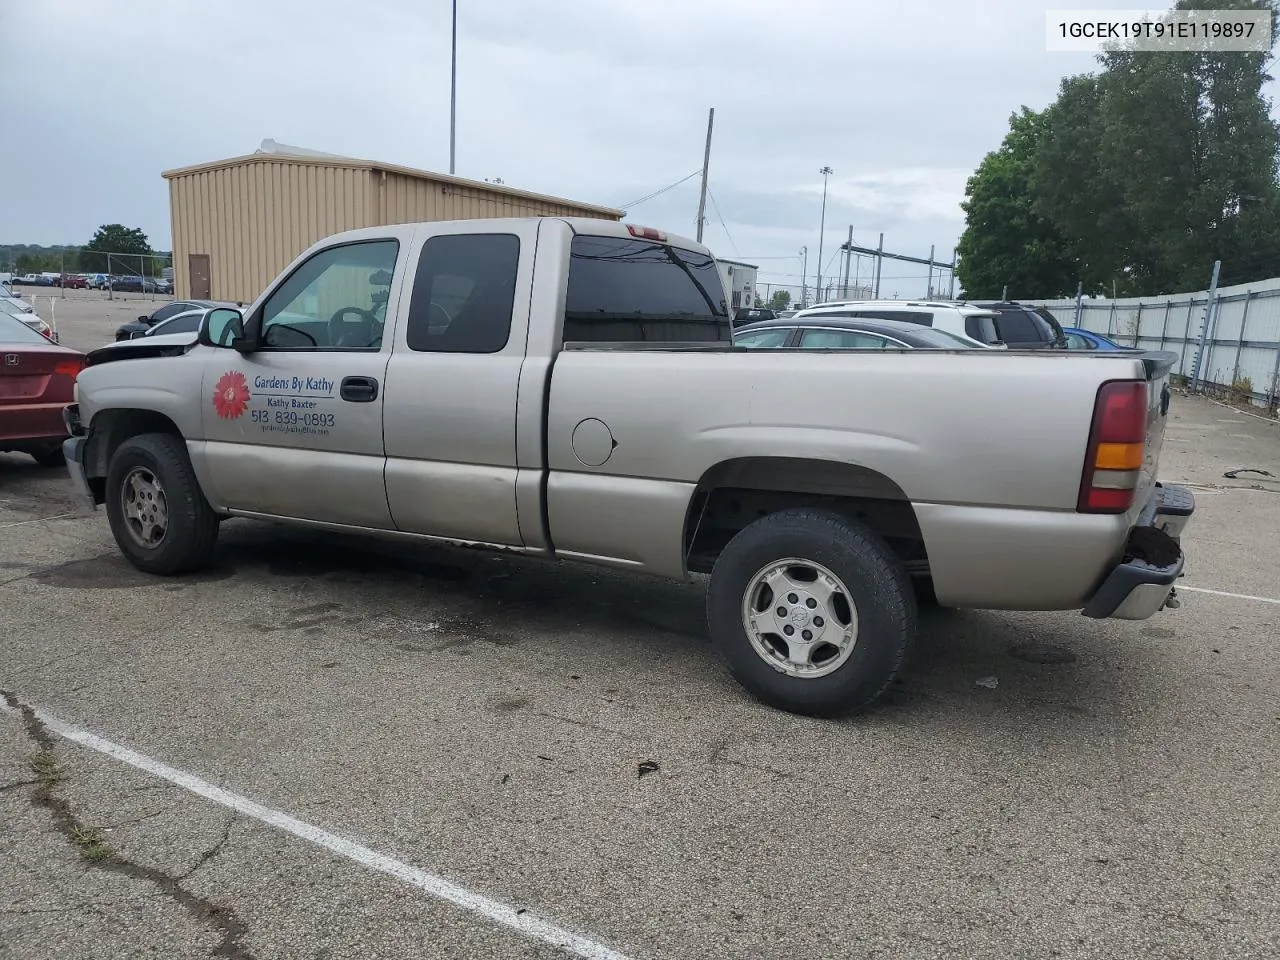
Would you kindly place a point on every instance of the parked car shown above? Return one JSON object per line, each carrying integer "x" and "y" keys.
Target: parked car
{"x": 1023, "y": 327}
{"x": 34, "y": 280}
{"x": 1081, "y": 339}
{"x": 136, "y": 285}
{"x": 37, "y": 381}
{"x": 73, "y": 281}
{"x": 752, "y": 315}
{"x": 98, "y": 281}
{"x": 163, "y": 285}
{"x": 960, "y": 319}
{"x": 136, "y": 328}
{"x": 567, "y": 388}
{"x": 848, "y": 333}
{"x": 30, "y": 319}
{"x": 7, "y": 298}
{"x": 187, "y": 322}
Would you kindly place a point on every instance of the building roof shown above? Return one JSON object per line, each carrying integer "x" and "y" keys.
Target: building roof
{"x": 272, "y": 152}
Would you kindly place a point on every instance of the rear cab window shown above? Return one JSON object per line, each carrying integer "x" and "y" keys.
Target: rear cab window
{"x": 624, "y": 290}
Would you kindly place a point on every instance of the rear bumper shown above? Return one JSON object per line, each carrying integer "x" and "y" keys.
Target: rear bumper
{"x": 1136, "y": 588}
{"x": 73, "y": 452}
{"x": 25, "y": 425}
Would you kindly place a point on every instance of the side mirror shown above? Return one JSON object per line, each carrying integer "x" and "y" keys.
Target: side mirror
{"x": 144, "y": 319}
{"x": 221, "y": 327}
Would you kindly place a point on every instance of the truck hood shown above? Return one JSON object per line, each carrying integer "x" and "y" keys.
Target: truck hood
{"x": 163, "y": 345}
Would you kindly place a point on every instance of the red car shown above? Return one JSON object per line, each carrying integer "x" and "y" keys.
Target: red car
{"x": 37, "y": 381}
{"x": 73, "y": 281}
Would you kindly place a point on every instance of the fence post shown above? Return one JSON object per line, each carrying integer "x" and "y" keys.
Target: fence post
{"x": 1137, "y": 325}
{"x": 1111, "y": 319}
{"x": 1275, "y": 383}
{"x": 1244, "y": 319}
{"x": 1205, "y": 325}
{"x": 1164, "y": 329}
{"x": 1079, "y": 303}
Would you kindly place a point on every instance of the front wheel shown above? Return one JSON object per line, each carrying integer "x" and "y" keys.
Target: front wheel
{"x": 158, "y": 514}
{"x": 813, "y": 612}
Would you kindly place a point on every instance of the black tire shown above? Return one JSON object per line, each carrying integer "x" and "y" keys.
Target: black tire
{"x": 192, "y": 528}
{"x": 877, "y": 585}
{"x": 50, "y": 458}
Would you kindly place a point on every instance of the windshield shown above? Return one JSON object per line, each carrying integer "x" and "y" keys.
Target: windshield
{"x": 944, "y": 340}
{"x": 15, "y": 331}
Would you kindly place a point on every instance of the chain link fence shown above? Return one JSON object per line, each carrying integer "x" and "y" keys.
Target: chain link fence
{"x": 1238, "y": 326}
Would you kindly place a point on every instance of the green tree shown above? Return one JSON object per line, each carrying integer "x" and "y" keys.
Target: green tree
{"x": 1161, "y": 163}
{"x": 779, "y": 300}
{"x": 115, "y": 238}
{"x": 1006, "y": 242}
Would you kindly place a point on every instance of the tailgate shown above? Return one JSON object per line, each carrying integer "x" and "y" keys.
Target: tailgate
{"x": 1158, "y": 365}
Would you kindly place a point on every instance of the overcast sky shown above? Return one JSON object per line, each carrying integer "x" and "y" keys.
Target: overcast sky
{"x": 598, "y": 101}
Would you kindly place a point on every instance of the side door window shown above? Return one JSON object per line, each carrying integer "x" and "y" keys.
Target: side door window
{"x": 337, "y": 300}
{"x": 764, "y": 339}
{"x": 841, "y": 340}
{"x": 464, "y": 293}
{"x": 1077, "y": 342}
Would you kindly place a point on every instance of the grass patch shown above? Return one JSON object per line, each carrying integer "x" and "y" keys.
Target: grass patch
{"x": 89, "y": 842}
{"x": 44, "y": 764}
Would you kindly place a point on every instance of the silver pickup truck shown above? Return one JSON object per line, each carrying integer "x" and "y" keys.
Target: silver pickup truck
{"x": 568, "y": 389}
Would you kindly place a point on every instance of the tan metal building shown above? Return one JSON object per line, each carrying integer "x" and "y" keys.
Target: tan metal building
{"x": 237, "y": 223}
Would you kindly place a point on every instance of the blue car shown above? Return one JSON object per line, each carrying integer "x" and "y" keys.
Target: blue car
{"x": 1078, "y": 339}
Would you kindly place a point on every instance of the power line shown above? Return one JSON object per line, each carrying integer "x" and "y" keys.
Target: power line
{"x": 716, "y": 207}
{"x": 658, "y": 193}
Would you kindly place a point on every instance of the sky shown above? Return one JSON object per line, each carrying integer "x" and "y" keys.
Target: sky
{"x": 603, "y": 102}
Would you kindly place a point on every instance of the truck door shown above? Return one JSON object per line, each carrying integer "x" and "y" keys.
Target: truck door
{"x": 453, "y": 379}
{"x": 294, "y": 429}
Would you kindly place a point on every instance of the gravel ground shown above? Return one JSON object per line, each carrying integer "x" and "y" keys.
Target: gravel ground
{"x": 561, "y": 739}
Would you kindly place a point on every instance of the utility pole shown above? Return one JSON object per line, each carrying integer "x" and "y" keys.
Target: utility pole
{"x": 706, "y": 165}
{"x": 848, "y": 256}
{"x": 951, "y": 293}
{"x": 453, "y": 93}
{"x": 826, "y": 172}
{"x": 804, "y": 276}
{"x": 928, "y": 289}
{"x": 879, "y": 260}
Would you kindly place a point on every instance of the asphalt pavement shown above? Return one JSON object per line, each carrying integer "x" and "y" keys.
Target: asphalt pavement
{"x": 326, "y": 747}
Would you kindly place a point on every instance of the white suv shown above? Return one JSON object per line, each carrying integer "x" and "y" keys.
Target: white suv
{"x": 971, "y": 323}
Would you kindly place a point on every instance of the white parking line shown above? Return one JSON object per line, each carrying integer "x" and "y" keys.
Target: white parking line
{"x": 430, "y": 884}
{"x": 1223, "y": 593}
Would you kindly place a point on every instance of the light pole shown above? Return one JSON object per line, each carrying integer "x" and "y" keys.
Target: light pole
{"x": 804, "y": 277}
{"x": 826, "y": 172}
{"x": 453, "y": 91}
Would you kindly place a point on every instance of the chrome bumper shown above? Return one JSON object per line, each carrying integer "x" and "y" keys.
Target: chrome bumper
{"x": 1135, "y": 589}
{"x": 73, "y": 451}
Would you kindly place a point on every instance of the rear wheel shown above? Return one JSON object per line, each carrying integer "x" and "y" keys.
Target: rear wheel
{"x": 813, "y": 612}
{"x": 159, "y": 516}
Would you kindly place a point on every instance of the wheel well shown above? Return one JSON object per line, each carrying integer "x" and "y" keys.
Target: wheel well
{"x": 109, "y": 429}
{"x": 735, "y": 493}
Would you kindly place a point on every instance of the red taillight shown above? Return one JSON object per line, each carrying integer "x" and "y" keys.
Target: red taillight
{"x": 69, "y": 368}
{"x": 647, "y": 233}
{"x": 1117, "y": 447}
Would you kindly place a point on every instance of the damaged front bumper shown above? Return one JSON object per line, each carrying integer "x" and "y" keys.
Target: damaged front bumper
{"x": 73, "y": 453}
{"x": 1141, "y": 586}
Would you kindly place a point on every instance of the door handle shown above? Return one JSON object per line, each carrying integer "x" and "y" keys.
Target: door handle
{"x": 359, "y": 389}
